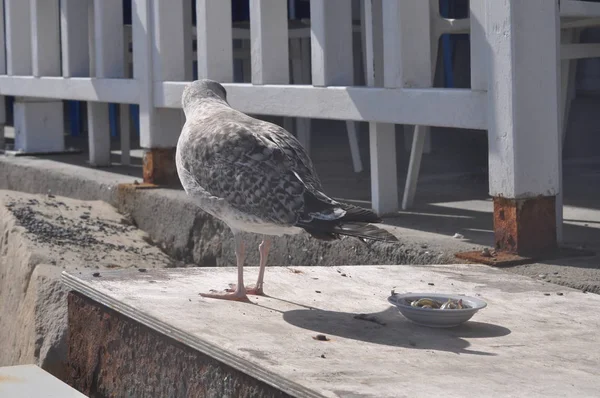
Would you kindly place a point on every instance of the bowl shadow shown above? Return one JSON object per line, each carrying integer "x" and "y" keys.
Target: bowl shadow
{"x": 390, "y": 328}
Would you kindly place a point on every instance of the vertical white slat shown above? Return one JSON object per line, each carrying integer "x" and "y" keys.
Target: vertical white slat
{"x": 269, "y": 37}
{"x": 408, "y": 64}
{"x": 92, "y": 39}
{"x": 479, "y": 45}
{"x": 45, "y": 37}
{"x": 142, "y": 68}
{"x": 188, "y": 55}
{"x": 2, "y": 41}
{"x": 74, "y": 32}
{"x": 2, "y": 72}
{"x": 125, "y": 134}
{"x": 18, "y": 37}
{"x": 170, "y": 40}
{"x": 382, "y": 136}
{"x": 41, "y": 128}
{"x": 331, "y": 42}
{"x": 332, "y": 55}
{"x": 159, "y": 128}
{"x": 214, "y": 38}
{"x": 108, "y": 42}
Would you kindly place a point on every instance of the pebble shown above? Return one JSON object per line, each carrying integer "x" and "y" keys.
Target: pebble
{"x": 321, "y": 337}
{"x": 96, "y": 274}
{"x": 431, "y": 284}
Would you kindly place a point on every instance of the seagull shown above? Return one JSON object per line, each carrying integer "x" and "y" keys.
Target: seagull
{"x": 256, "y": 177}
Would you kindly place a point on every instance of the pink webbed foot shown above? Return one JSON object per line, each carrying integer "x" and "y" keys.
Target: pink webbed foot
{"x": 252, "y": 290}
{"x": 228, "y": 295}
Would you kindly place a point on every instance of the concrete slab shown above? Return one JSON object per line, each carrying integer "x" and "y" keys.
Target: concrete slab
{"x": 534, "y": 339}
{"x": 29, "y": 381}
{"x": 42, "y": 235}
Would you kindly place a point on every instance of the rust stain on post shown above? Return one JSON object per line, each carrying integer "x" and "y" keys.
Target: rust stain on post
{"x": 159, "y": 166}
{"x": 525, "y": 226}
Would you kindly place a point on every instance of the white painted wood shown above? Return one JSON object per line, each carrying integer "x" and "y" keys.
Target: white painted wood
{"x": 125, "y": 134}
{"x": 106, "y": 24}
{"x": 45, "y": 37}
{"x": 169, "y": 51}
{"x": 188, "y": 54}
{"x": 479, "y": 45}
{"x": 435, "y": 107}
{"x": 382, "y": 136}
{"x": 39, "y": 125}
{"x": 74, "y": 25}
{"x": 408, "y": 63}
{"x": 2, "y": 41}
{"x": 91, "y": 39}
{"x": 79, "y": 89}
{"x": 332, "y": 55}
{"x": 18, "y": 37}
{"x": 2, "y": 72}
{"x": 214, "y": 37}
{"x": 108, "y": 38}
{"x": 580, "y": 50}
{"x": 2, "y": 121}
{"x": 524, "y": 131}
{"x": 98, "y": 134}
{"x": 269, "y": 37}
{"x": 579, "y": 9}
{"x": 159, "y": 128}
{"x": 331, "y": 43}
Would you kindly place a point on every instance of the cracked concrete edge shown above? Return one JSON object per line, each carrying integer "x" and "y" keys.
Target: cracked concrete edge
{"x": 189, "y": 235}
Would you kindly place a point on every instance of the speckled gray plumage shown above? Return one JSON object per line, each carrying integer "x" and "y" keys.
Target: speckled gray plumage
{"x": 253, "y": 175}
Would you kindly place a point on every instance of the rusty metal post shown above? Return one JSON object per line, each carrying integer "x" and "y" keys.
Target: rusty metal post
{"x": 159, "y": 166}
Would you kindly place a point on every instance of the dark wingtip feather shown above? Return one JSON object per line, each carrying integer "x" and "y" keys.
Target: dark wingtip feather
{"x": 366, "y": 231}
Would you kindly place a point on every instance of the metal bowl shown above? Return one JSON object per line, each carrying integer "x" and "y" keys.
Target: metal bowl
{"x": 434, "y": 317}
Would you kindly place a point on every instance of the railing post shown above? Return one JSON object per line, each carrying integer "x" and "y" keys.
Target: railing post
{"x": 2, "y": 72}
{"x": 38, "y": 123}
{"x": 382, "y": 136}
{"x": 158, "y": 51}
{"x": 415, "y": 56}
{"x": 107, "y": 40}
{"x": 524, "y": 125}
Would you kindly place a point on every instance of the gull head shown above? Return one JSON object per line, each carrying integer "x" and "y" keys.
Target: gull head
{"x": 201, "y": 90}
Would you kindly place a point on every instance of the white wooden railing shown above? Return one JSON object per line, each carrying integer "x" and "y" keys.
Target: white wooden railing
{"x": 77, "y": 50}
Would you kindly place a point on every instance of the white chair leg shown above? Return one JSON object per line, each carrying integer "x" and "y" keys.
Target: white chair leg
{"x": 354, "y": 147}
{"x": 414, "y": 165}
{"x": 125, "y": 134}
{"x": 419, "y": 141}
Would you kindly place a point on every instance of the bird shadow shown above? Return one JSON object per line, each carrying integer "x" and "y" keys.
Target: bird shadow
{"x": 389, "y": 328}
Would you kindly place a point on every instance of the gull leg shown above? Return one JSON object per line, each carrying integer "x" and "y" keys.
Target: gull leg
{"x": 239, "y": 294}
{"x": 263, "y": 249}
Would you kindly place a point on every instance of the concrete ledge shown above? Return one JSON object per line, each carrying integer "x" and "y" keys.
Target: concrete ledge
{"x": 29, "y": 381}
{"x": 113, "y": 355}
{"x": 521, "y": 345}
{"x": 191, "y": 236}
{"x": 40, "y": 236}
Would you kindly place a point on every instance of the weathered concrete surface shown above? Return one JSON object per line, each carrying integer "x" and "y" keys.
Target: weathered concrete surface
{"x": 40, "y": 236}
{"x": 28, "y": 381}
{"x": 111, "y": 355}
{"x": 533, "y": 340}
{"x": 446, "y": 205}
